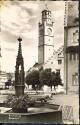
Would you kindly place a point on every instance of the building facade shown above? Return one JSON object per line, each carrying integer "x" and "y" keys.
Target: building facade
{"x": 56, "y": 62}
{"x": 71, "y": 47}
{"x": 0, "y": 58}
{"x": 3, "y": 79}
{"x": 0, "y": 64}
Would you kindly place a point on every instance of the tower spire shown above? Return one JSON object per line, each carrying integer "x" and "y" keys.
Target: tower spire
{"x": 19, "y": 72}
{"x": 19, "y": 49}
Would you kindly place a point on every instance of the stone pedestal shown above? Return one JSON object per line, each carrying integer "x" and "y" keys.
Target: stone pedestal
{"x": 19, "y": 90}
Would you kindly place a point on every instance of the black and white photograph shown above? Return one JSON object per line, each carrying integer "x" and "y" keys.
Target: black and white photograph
{"x": 39, "y": 61}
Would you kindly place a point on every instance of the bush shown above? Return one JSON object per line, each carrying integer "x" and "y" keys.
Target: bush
{"x": 19, "y": 104}
{"x": 9, "y": 100}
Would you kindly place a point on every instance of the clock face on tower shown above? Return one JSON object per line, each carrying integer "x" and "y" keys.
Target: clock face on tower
{"x": 49, "y": 31}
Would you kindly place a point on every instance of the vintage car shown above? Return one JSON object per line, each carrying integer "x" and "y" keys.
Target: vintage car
{"x": 39, "y": 96}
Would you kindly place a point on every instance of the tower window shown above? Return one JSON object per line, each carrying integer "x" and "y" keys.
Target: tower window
{"x": 41, "y": 32}
{"x": 59, "y": 61}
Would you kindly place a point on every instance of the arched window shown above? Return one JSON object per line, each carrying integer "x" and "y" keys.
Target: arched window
{"x": 76, "y": 36}
{"x": 75, "y": 79}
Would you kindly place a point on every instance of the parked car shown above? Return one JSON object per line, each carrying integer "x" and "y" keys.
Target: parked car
{"x": 40, "y": 97}
{"x": 54, "y": 92}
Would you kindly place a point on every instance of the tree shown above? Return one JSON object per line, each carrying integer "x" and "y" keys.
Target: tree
{"x": 45, "y": 77}
{"x": 58, "y": 79}
{"x": 50, "y": 78}
{"x": 33, "y": 79}
{"x": 28, "y": 79}
{"x": 53, "y": 78}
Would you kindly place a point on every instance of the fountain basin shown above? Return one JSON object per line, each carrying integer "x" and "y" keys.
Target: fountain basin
{"x": 34, "y": 115}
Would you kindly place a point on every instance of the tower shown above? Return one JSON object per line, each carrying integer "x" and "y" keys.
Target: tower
{"x": 19, "y": 72}
{"x": 45, "y": 45}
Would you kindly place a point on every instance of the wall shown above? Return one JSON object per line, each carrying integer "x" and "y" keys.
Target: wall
{"x": 72, "y": 69}
{"x": 41, "y": 54}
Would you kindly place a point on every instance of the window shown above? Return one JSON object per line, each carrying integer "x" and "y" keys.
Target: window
{"x": 41, "y": 31}
{"x": 59, "y": 61}
{"x": 76, "y": 36}
{"x": 78, "y": 40}
{"x": 74, "y": 56}
{"x": 77, "y": 56}
{"x": 70, "y": 56}
{"x": 75, "y": 79}
{"x": 77, "y": 31}
{"x": 58, "y": 70}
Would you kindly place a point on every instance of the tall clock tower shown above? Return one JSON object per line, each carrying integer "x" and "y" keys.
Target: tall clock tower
{"x": 45, "y": 45}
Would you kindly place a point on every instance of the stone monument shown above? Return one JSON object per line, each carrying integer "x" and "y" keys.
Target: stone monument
{"x": 19, "y": 72}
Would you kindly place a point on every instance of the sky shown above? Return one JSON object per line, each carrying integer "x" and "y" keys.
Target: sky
{"x": 21, "y": 18}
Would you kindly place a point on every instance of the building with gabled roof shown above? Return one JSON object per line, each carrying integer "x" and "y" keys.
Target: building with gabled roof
{"x": 71, "y": 47}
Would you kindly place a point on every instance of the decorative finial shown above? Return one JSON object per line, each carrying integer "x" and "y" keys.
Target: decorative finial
{"x": 19, "y": 49}
{"x": 19, "y": 39}
{"x": 46, "y": 6}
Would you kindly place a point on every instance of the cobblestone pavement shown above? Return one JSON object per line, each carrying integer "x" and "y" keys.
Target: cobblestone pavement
{"x": 3, "y": 98}
{"x": 70, "y": 100}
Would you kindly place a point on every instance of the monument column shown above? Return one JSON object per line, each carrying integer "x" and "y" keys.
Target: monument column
{"x": 19, "y": 72}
